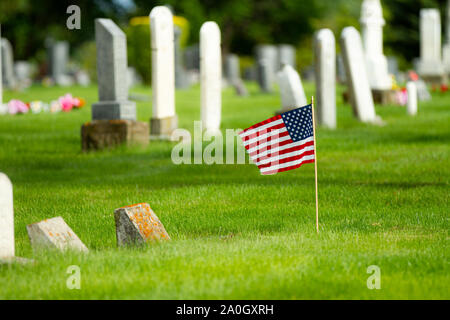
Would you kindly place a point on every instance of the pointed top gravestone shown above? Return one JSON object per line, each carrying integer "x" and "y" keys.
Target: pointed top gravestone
{"x": 291, "y": 89}
{"x": 210, "y": 76}
{"x": 164, "y": 119}
{"x": 114, "y": 116}
{"x": 357, "y": 79}
{"x": 325, "y": 65}
{"x": 111, "y": 72}
{"x": 6, "y": 218}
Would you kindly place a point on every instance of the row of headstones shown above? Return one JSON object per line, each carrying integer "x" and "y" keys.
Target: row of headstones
{"x": 135, "y": 225}
{"x": 112, "y": 65}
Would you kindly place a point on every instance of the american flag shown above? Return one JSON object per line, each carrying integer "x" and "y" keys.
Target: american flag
{"x": 283, "y": 142}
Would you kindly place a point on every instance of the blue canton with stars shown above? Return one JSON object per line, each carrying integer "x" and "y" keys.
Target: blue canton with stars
{"x": 298, "y": 123}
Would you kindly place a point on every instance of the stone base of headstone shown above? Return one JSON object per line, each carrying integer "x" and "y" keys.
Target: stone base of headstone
{"x": 54, "y": 233}
{"x": 102, "y": 134}
{"x": 384, "y": 97}
{"x": 15, "y": 260}
{"x": 436, "y": 80}
{"x": 137, "y": 224}
{"x": 114, "y": 110}
{"x": 161, "y": 129}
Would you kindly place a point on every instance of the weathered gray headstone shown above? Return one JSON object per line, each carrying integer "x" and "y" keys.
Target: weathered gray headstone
{"x": 7, "y": 64}
{"x": 210, "y": 76}
{"x": 54, "y": 233}
{"x": 268, "y": 55}
{"x": 325, "y": 62}
{"x": 411, "y": 105}
{"x": 164, "y": 119}
{"x": 446, "y": 46}
{"x": 264, "y": 74}
{"x": 181, "y": 79}
{"x": 6, "y": 219}
{"x": 341, "y": 76}
{"x": 357, "y": 79}
{"x": 58, "y": 57}
{"x": 291, "y": 89}
{"x": 111, "y": 72}
{"x": 393, "y": 66}
{"x": 138, "y": 224}
{"x": 114, "y": 116}
{"x": 192, "y": 57}
{"x": 430, "y": 64}
{"x": 372, "y": 23}
{"x": 286, "y": 55}
{"x": 233, "y": 74}
{"x": 447, "y": 23}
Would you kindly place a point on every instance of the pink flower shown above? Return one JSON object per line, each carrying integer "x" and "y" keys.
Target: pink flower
{"x": 67, "y": 102}
{"x": 17, "y": 106}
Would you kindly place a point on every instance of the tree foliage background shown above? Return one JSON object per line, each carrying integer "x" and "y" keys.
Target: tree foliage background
{"x": 244, "y": 23}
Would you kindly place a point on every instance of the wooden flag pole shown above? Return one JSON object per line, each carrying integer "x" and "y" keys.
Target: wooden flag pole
{"x": 315, "y": 164}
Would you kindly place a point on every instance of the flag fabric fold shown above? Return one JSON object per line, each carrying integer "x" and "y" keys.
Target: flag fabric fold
{"x": 281, "y": 143}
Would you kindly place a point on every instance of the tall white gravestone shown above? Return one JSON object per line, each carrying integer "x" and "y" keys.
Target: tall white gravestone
{"x": 372, "y": 23}
{"x": 6, "y": 218}
{"x": 325, "y": 64}
{"x": 430, "y": 64}
{"x": 291, "y": 89}
{"x": 210, "y": 76}
{"x": 164, "y": 119}
{"x": 357, "y": 79}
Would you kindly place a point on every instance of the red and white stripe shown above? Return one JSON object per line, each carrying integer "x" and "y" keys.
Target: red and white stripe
{"x": 271, "y": 148}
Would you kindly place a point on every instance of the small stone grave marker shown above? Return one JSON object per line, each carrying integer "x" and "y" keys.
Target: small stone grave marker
{"x": 54, "y": 233}
{"x": 138, "y": 224}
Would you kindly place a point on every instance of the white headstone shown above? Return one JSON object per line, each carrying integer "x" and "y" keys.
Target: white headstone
{"x": 325, "y": 62}
{"x": 412, "y": 98}
{"x": 54, "y": 233}
{"x": 430, "y": 43}
{"x": 357, "y": 80}
{"x": 372, "y": 23}
{"x": 210, "y": 76}
{"x": 291, "y": 89}
{"x": 6, "y": 218}
{"x": 163, "y": 62}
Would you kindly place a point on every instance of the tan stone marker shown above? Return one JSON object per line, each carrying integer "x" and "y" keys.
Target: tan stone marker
{"x": 138, "y": 224}
{"x": 54, "y": 233}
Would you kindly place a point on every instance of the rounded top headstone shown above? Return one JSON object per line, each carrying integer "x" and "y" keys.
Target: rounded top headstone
{"x": 4, "y": 180}
{"x": 211, "y": 30}
{"x": 161, "y": 20}
{"x": 325, "y": 35}
{"x": 349, "y": 32}
{"x": 372, "y": 13}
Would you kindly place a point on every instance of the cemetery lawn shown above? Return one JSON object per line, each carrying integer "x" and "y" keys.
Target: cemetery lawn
{"x": 383, "y": 194}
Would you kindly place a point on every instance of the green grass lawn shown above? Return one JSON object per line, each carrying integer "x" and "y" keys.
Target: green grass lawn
{"x": 383, "y": 195}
